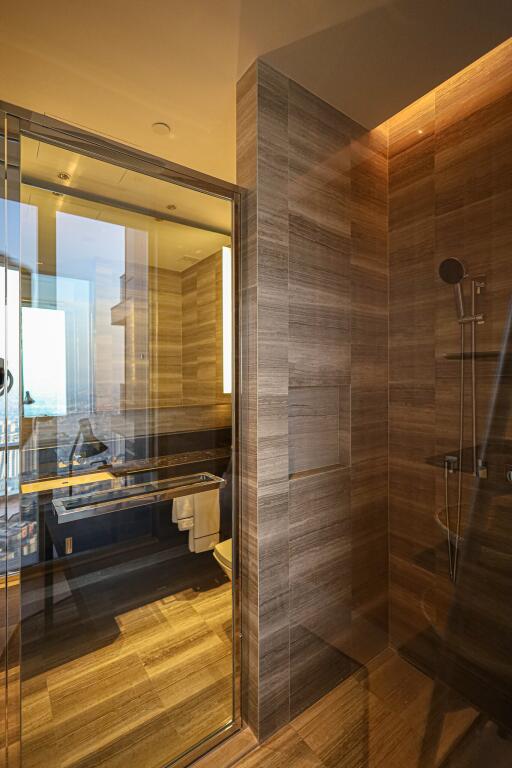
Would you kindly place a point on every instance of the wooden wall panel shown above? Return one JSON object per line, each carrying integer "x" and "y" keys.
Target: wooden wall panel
{"x": 450, "y": 160}
{"x": 320, "y": 585}
{"x": 247, "y": 173}
{"x": 202, "y": 332}
{"x": 369, "y": 406}
{"x": 298, "y": 157}
{"x": 345, "y": 230}
{"x": 263, "y": 170}
{"x": 319, "y": 298}
{"x": 412, "y": 531}
{"x": 319, "y": 427}
{"x": 165, "y": 337}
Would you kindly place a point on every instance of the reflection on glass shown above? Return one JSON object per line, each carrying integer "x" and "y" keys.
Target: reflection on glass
{"x": 125, "y": 385}
{"x": 227, "y": 319}
{"x": 44, "y": 360}
{"x": 10, "y": 428}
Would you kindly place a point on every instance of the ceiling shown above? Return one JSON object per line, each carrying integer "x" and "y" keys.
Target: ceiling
{"x": 171, "y": 245}
{"x": 117, "y": 66}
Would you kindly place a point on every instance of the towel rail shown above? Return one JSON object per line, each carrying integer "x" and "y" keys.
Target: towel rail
{"x": 98, "y": 503}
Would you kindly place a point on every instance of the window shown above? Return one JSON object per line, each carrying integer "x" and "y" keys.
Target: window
{"x": 44, "y": 361}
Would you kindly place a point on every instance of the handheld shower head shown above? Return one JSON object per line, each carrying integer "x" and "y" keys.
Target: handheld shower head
{"x": 453, "y": 272}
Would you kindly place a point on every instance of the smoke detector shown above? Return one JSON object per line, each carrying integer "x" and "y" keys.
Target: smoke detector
{"x": 161, "y": 129}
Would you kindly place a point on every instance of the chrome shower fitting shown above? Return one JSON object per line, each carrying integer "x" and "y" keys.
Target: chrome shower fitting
{"x": 453, "y": 272}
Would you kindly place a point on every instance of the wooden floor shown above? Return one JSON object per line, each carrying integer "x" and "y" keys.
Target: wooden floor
{"x": 483, "y": 747}
{"x": 160, "y": 684}
{"x": 137, "y": 686}
{"x": 389, "y": 715}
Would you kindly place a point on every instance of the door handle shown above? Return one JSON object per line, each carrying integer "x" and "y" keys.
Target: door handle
{"x": 10, "y": 379}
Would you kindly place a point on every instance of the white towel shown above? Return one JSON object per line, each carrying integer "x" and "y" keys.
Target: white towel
{"x": 206, "y": 513}
{"x": 199, "y": 514}
{"x": 182, "y": 508}
{"x": 186, "y": 524}
{"x": 202, "y": 544}
{"x": 205, "y": 534}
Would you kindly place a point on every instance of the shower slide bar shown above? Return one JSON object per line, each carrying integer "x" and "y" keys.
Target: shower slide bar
{"x": 453, "y": 272}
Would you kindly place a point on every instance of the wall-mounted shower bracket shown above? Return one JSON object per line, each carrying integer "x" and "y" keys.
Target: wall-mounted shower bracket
{"x": 451, "y": 463}
{"x": 479, "y": 319}
{"x": 479, "y": 284}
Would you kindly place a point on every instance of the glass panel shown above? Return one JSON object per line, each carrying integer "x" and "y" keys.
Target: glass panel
{"x": 126, "y": 434}
{"x": 10, "y": 522}
{"x": 3, "y": 450}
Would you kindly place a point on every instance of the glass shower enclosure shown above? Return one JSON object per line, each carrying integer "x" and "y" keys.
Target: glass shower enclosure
{"x": 118, "y": 450}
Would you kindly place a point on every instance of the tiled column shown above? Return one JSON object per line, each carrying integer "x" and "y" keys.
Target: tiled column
{"x": 263, "y": 171}
{"x": 315, "y": 472}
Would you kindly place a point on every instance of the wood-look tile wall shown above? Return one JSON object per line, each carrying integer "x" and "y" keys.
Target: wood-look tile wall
{"x": 412, "y": 377}
{"x": 201, "y": 332}
{"x": 165, "y": 337}
{"x": 345, "y": 318}
{"x": 171, "y": 353}
{"x": 450, "y": 195}
{"x": 263, "y": 124}
{"x": 315, "y": 424}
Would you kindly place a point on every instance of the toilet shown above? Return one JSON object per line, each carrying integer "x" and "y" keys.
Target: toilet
{"x": 223, "y": 553}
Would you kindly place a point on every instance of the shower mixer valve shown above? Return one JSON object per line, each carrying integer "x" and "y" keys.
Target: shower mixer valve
{"x": 451, "y": 463}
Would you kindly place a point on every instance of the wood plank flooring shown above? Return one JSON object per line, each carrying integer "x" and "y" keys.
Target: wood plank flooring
{"x": 160, "y": 684}
{"x": 388, "y": 715}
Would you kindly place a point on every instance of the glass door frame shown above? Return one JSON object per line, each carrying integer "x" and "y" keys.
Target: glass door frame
{"x": 18, "y": 122}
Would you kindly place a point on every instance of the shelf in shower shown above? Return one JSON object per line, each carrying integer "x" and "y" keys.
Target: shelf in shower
{"x": 491, "y": 355}
{"x": 68, "y": 509}
{"x": 467, "y": 459}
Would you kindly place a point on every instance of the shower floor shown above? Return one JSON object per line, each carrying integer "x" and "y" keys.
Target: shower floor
{"x": 135, "y": 669}
{"x": 388, "y": 715}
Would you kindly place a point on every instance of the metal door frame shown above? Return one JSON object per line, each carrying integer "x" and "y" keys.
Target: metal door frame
{"x": 20, "y": 122}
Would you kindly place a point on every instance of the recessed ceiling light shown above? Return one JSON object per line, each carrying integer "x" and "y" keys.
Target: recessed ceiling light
{"x": 161, "y": 129}
{"x": 63, "y": 176}
{"x": 171, "y": 207}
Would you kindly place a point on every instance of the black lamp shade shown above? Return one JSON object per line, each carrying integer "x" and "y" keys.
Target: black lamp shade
{"x": 28, "y": 399}
{"x": 91, "y": 445}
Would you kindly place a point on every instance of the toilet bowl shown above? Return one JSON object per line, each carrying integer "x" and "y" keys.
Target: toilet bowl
{"x": 223, "y": 553}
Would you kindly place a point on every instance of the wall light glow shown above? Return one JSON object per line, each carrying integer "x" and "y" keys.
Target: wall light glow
{"x": 227, "y": 339}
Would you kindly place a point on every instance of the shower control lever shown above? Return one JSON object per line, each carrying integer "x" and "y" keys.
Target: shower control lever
{"x": 481, "y": 470}
{"x": 451, "y": 463}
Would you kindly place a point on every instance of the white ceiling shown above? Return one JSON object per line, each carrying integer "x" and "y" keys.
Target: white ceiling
{"x": 117, "y": 66}
{"x": 41, "y": 161}
{"x": 170, "y": 245}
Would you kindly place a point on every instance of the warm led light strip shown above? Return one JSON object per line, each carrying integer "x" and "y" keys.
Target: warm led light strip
{"x": 38, "y": 486}
{"x": 227, "y": 332}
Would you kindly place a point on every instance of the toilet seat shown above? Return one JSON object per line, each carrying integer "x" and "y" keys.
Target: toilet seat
{"x": 223, "y": 553}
